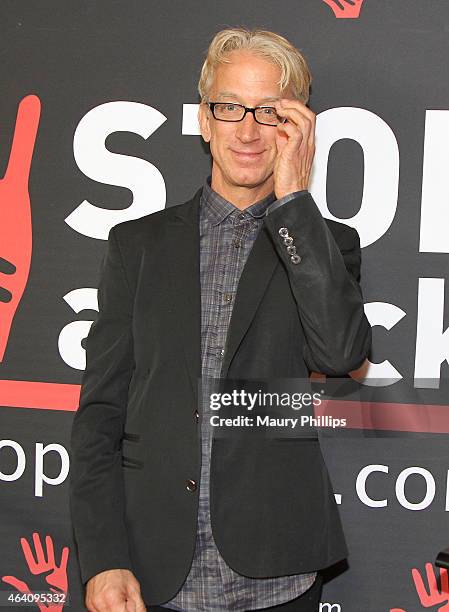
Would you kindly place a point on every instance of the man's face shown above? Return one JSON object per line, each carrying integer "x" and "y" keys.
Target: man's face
{"x": 243, "y": 152}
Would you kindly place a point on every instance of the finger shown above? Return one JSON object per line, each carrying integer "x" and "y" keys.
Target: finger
{"x": 431, "y": 578}
{"x": 38, "y": 547}
{"x": 292, "y": 127}
{"x": 27, "y": 122}
{"x": 140, "y": 604}
{"x": 295, "y": 137}
{"x": 281, "y": 138}
{"x": 134, "y": 597}
{"x": 135, "y": 604}
{"x": 90, "y": 606}
{"x": 64, "y": 558}
{"x": 444, "y": 580}
{"x": 112, "y": 601}
{"x": 29, "y": 557}
{"x": 103, "y": 606}
{"x": 419, "y": 584}
{"x": 50, "y": 551}
{"x": 300, "y": 122}
{"x": 305, "y": 124}
{"x": 290, "y": 104}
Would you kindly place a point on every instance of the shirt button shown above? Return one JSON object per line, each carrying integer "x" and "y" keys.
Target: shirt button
{"x": 191, "y": 485}
{"x": 221, "y": 352}
{"x": 228, "y": 298}
{"x": 196, "y": 414}
{"x": 241, "y": 216}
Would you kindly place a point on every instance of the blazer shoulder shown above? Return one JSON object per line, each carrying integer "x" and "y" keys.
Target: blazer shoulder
{"x": 132, "y": 231}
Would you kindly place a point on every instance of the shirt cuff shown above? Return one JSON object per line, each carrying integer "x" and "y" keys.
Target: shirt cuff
{"x": 284, "y": 200}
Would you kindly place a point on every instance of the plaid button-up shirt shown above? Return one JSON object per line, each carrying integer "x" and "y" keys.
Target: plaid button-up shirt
{"x": 227, "y": 235}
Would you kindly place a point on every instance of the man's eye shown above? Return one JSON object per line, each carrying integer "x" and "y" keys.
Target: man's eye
{"x": 267, "y": 110}
{"x": 230, "y": 108}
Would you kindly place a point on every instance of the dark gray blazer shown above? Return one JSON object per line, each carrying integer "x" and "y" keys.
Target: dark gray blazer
{"x": 135, "y": 441}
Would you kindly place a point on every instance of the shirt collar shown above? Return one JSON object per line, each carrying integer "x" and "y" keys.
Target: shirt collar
{"x": 218, "y": 208}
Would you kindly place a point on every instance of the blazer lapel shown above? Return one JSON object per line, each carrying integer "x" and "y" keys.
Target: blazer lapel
{"x": 183, "y": 256}
{"x": 259, "y": 268}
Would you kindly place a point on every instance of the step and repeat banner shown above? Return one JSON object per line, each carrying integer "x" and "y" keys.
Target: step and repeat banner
{"x": 98, "y": 125}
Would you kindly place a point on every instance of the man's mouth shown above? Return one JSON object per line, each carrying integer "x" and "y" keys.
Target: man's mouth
{"x": 247, "y": 155}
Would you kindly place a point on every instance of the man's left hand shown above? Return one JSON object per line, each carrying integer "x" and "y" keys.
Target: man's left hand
{"x": 295, "y": 141}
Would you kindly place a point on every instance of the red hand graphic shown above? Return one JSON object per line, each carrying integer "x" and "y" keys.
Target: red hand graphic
{"x": 433, "y": 596}
{"x": 15, "y": 216}
{"x": 41, "y": 563}
{"x": 345, "y": 9}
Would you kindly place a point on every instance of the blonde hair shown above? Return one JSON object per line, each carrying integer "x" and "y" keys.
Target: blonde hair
{"x": 269, "y": 45}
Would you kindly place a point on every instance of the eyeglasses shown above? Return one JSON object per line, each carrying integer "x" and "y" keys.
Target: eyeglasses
{"x": 227, "y": 111}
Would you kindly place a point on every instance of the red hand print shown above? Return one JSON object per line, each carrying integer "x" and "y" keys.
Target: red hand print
{"x": 345, "y": 9}
{"x": 15, "y": 216}
{"x": 41, "y": 563}
{"x": 433, "y": 595}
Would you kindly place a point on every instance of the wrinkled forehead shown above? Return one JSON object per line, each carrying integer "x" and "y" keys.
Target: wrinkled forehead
{"x": 232, "y": 95}
{"x": 246, "y": 74}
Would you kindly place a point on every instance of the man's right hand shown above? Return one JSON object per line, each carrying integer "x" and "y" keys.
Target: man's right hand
{"x": 114, "y": 590}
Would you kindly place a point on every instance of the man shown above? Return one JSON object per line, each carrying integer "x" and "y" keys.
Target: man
{"x": 164, "y": 514}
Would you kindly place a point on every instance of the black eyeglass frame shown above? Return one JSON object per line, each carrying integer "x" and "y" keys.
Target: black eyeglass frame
{"x": 247, "y": 109}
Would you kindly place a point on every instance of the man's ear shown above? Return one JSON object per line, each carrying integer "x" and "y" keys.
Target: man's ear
{"x": 203, "y": 120}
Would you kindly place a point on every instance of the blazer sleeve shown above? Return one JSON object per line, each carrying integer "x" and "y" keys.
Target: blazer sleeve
{"x": 324, "y": 279}
{"x": 96, "y": 483}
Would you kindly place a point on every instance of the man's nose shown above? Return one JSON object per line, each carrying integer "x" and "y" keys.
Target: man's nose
{"x": 248, "y": 129}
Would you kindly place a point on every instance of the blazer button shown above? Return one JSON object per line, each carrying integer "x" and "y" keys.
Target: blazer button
{"x": 295, "y": 259}
{"x": 191, "y": 485}
{"x": 196, "y": 415}
{"x": 283, "y": 231}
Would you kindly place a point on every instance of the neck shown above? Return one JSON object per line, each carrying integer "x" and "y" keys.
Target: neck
{"x": 241, "y": 197}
